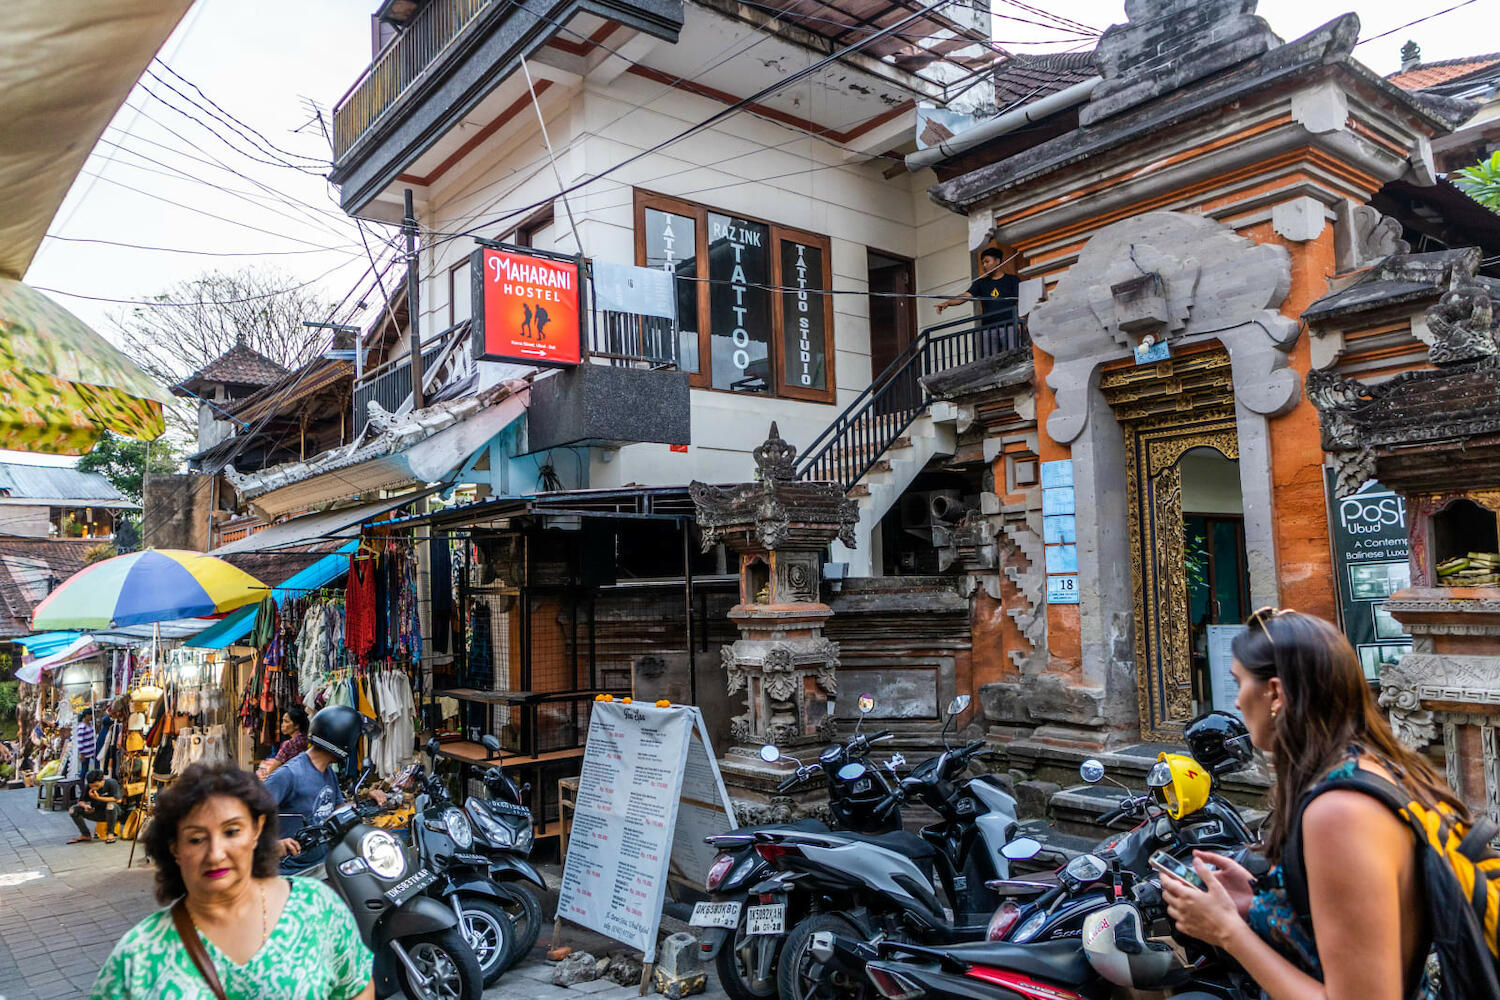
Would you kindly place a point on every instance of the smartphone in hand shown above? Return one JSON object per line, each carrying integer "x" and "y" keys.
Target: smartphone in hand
{"x": 1164, "y": 862}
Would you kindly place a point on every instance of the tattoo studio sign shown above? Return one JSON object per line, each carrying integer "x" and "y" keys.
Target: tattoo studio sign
{"x": 529, "y": 308}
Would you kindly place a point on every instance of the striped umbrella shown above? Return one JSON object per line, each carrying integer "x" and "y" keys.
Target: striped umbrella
{"x": 140, "y": 588}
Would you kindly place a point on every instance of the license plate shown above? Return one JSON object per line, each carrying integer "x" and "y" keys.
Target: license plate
{"x": 410, "y": 886}
{"x": 767, "y": 919}
{"x": 715, "y": 915}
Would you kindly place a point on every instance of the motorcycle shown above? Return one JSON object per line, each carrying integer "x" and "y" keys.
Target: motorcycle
{"x": 1125, "y": 941}
{"x": 504, "y": 834}
{"x": 742, "y": 938}
{"x": 443, "y": 839}
{"x": 419, "y": 949}
{"x": 869, "y": 886}
{"x": 1176, "y": 821}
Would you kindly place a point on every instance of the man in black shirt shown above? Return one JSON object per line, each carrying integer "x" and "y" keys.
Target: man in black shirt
{"x": 996, "y": 294}
{"x": 100, "y": 803}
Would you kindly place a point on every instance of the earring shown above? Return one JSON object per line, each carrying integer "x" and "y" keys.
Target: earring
{"x": 1275, "y": 712}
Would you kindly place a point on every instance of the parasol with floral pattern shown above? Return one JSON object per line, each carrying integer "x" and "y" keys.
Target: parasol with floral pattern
{"x": 62, "y": 385}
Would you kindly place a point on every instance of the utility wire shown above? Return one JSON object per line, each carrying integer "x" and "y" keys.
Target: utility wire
{"x": 170, "y": 303}
{"x": 721, "y": 114}
{"x": 267, "y": 142}
{"x": 196, "y": 253}
{"x": 1408, "y": 24}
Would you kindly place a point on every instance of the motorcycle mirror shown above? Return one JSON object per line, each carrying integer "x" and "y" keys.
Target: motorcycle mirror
{"x": 894, "y": 761}
{"x": 866, "y": 704}
{"x": 770, "y": 754}
{"x": 1021, "y": 849}
{"x": 432, "y": 748}
{"x": 1091, "y": 771}
{"x": 958, "y": 704}
{"x": 490, "y": 743}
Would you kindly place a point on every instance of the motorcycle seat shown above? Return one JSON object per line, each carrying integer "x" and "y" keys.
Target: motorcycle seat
{"x": 1062, "y": 962}
{"x": 908, "y": 845}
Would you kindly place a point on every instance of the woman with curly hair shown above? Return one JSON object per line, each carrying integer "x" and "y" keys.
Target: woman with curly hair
{"x": 234, "y": 931}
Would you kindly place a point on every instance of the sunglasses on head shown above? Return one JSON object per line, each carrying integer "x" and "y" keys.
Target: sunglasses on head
{"x": 1260, "y": 616}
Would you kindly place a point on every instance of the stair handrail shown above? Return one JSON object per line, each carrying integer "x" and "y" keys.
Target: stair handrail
{"x": 914, "y": 353}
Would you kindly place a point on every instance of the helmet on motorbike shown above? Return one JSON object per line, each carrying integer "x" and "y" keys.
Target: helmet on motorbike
{"x": 1180, "y": 784}
{"x": 1220, "y": 742}
{"x": 1117, "y": 947}
{"x": 336, "y": 729}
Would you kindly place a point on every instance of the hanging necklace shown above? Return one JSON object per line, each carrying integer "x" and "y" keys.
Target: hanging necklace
{"x": 265, "y": 933}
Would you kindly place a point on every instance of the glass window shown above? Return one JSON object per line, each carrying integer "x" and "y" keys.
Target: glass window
{"x": 460, "y": 306}
{"x": 804, "y": 347}
{"x": 739, "y": 303}
{"x": 753, "y": 298}
{"x": 672, "y": 245}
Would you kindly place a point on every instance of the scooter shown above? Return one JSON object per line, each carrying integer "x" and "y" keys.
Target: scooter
{"x": 1126, "y": 940}
{"x": 503, "y": 832}
{"x": 888, "y": 884}
{"x": 736, "y": 929}
{"x": 1036, "y": 908}
{"x": 419, "y": 950}
{"x": 443, "y": 839}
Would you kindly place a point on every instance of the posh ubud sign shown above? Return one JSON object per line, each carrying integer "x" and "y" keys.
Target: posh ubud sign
{"x": 528, "y": 308}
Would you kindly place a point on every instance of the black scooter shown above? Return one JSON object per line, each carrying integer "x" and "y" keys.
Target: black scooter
{"x": 419, "y": 950}
{"x": 444, "y": 840}
{"x": 860, "y": 800}
{"x": 503, "y": 833}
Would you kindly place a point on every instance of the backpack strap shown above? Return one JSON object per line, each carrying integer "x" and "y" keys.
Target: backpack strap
{"x": 1293, "y": 868}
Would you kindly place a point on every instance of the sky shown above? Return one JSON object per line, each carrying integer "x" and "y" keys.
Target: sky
{"x": 160, "y": 179}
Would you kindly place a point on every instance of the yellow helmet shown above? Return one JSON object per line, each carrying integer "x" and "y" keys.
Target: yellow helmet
{"x": 1180, "y": 783}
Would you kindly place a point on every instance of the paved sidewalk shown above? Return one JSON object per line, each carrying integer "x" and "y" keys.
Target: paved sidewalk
{"x": 63, "y": 906}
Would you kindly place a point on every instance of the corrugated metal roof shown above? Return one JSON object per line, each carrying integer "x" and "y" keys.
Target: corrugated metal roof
{"x": 45, "y": 482}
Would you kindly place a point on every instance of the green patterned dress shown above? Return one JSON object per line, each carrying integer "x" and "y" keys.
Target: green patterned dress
{"x": 314, "y": 953}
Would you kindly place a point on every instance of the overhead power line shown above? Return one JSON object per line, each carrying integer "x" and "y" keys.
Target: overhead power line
{"x": 196, "y": 253}
{"x": 723, "y": 113}
{"x": 267, "y": 143}
{"x": 1408, "y": 24}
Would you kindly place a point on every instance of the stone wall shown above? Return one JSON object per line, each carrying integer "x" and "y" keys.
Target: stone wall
{"x": 176, "y": 511}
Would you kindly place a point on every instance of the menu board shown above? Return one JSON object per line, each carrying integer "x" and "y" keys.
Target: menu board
{"x": 703, "y": 810}
{"x": 634, "y": 798}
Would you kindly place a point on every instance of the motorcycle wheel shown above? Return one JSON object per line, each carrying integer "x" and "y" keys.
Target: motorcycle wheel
{"x": 447, "y": 961}
{"x": 488, "y": 929}
{"x": 525, "y": 917}
{"x": 737, "y": 964}
{"x": 799, "y": 976}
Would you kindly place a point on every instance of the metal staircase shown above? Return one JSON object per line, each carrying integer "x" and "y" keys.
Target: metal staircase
{"x": 888, "y": 434}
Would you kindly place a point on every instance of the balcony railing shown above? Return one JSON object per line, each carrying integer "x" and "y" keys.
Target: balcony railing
{"x": 389, "y": 385}
{"x": 629, "y": 340}
{"x": 398, "y": 66}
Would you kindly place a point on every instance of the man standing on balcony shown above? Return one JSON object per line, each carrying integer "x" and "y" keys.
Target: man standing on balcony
{"x": 996, "y": 294}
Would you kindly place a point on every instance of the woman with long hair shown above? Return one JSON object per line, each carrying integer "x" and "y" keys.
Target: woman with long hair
{"x": 1361, "y": 933}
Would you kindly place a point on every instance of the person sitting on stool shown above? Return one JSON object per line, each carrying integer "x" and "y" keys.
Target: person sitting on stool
{"x": 100, "y": 803}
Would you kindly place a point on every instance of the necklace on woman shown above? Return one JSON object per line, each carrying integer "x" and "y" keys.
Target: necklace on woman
{"x": 265, "y": 934}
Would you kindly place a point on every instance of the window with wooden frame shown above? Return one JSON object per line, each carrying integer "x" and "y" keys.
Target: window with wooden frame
{"x": 762, "y": 321}
{"x": 460, "y": 294}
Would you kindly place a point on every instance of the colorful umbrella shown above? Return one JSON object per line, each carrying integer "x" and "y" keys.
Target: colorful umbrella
{"x": 139, "y": 588}
{"x": 62, "y": 385}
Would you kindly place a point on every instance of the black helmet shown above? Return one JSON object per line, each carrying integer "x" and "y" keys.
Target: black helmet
{"x": 1220, "y": 742}
{"x": 336, "y": 729}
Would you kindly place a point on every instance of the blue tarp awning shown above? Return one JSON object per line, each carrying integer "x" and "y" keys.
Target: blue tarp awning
{"x": 228, "y": 631}
{"x": 47, "y": 643}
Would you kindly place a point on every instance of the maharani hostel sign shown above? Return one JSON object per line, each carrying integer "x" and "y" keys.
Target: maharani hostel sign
{"x": 528, "y": 308}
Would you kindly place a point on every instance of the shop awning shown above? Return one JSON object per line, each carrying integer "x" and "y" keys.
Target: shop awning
{"x": 329, "y": 524}
{"x": 80, "y": 648}
{"x": 46, "y": 643}
{"x": 232, "y": 629}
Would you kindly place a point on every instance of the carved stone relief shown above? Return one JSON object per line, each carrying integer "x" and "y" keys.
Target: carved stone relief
{"x": 1362, "y": 236}
{"x": 1215, "y": 285}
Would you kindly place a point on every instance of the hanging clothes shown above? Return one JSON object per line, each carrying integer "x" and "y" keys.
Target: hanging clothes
{"x": 442, "y": 594}
{"x": 360, "y": 607}
{"x": 264, "y": 629}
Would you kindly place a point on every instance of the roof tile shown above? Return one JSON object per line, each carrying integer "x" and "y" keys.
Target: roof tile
{"x": 1434, "y": 73}
{"x": 241, "y": 365}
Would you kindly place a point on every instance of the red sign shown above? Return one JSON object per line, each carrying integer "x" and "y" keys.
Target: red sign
{"x": 528, "y": 308}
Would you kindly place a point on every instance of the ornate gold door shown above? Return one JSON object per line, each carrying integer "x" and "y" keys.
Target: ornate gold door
{"x": 1165, "y": 411}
